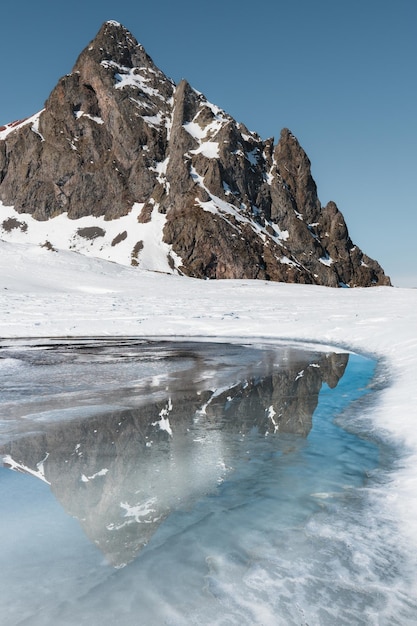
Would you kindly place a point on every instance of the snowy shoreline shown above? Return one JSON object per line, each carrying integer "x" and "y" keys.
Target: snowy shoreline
{"x": 63, "y": 294}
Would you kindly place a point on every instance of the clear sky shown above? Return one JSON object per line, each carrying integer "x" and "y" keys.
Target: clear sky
{"x": 341, "y": 75}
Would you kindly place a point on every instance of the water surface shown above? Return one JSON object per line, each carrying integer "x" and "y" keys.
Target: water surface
{"x": 189, "y": 483}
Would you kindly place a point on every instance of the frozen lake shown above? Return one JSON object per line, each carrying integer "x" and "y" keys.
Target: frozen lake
{"x": 192, "y": 483}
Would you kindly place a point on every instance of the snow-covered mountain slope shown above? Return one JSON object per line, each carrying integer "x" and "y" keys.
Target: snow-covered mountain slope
{"x": 122, "y": 163}
{"x": 123, "y": 240}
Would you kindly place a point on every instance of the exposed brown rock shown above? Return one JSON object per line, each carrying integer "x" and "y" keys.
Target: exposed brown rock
{"x": 91, "y": 232}
{"x": 120, "y": 237}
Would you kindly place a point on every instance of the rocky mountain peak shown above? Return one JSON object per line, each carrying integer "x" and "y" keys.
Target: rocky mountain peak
{"x": 116, "y": 43}
{"x": 115, "y": 49}
{"x": 177, "y": 183}
{"x": 294, "y": 166}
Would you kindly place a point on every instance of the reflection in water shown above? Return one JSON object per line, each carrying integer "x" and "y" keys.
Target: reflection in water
{"x": 126, "y": 433}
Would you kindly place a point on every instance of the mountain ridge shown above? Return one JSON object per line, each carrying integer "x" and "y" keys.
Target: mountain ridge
{"x": 152, "y": 174}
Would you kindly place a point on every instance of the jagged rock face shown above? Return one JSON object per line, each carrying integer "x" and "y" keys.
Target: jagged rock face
{"x": 88, "y": 156}
{"x": 116, "y": 133}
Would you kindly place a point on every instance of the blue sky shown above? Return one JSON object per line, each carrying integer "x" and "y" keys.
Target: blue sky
{"x": 341, "y": 75}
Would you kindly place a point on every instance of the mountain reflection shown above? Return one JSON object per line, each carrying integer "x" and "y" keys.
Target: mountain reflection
{"x": 133, "y": 452}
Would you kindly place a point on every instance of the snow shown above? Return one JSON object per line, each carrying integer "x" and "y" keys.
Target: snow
{"x": 300, "y": 375}
{"x": 163, "y": 422}
{"x": 153, "y": 120}
{"x": 271, "y": 415}
{"x": 286, "y": 261}
{"x": 35, "y": 127}
{"x": 86, "y": 479}
{"x": 195, "y": 130}
{"x": 161, "y": 169}
{"x": 217, "y": 206}
{"x": 205, "y": 134}
{"x": 140, "y": 511}
{"x": 283, "y": 235}
{"x": 326, "y": 260}
{"x": 63, "y": 233}
{"x": 9, "y": 128}
{"x": 19, "y": 467}
{"x": 130, "y": 77}
{"x": 46, "y": 293}
{"x": 94, "y": 118}
{"x": 209, "y": 149}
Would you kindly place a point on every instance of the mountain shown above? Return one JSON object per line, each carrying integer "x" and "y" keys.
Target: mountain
{"x": 125, "y": 165}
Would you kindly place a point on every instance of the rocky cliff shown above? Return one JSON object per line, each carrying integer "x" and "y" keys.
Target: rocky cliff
{"x": 124, "y": 164}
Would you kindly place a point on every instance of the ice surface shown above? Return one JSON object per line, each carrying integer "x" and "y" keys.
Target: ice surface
{"x": 293, "y": 530}
{"x": 46, "y": 293}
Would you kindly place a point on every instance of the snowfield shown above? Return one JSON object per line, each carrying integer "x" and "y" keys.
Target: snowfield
{"x": 48, "y": 293}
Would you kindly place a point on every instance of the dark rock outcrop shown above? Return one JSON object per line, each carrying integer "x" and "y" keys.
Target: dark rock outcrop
{"x": 117, "y": 131}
